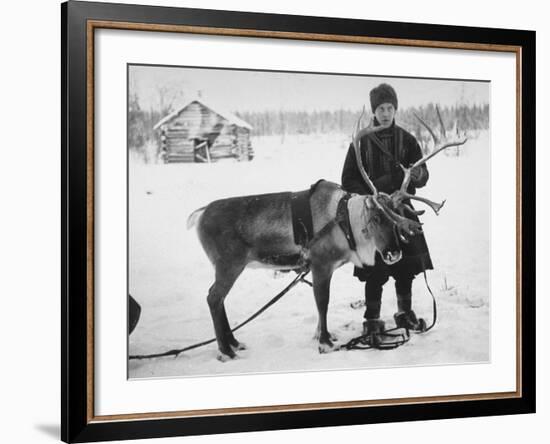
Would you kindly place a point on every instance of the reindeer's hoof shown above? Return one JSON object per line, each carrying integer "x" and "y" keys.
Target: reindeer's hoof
{"x": 317, "y": 336}
{"x": 326, "y": 347}
{"x": 224, "y": 357}
{"x": 238, "y": 346}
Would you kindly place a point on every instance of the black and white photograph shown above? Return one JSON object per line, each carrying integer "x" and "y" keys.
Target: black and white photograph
{"x": 264, "y": 222}
{"x": 285, "y": 221}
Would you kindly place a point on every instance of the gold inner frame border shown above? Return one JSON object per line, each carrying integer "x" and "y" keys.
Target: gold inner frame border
{"x": 92, "y": 25}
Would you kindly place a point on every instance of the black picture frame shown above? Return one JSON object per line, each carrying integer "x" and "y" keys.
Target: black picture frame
{"x": 78, "y": 423}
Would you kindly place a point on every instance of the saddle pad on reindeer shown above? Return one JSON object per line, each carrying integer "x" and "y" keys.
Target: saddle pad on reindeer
{"x": 302, "y": 223}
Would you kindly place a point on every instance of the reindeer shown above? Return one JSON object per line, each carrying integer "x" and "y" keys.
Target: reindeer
{"x": 256, "y": 231}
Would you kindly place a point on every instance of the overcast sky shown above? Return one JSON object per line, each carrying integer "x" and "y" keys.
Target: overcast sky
{"x": 238, "y": 90}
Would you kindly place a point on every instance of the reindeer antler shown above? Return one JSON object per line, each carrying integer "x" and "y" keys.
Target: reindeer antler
{"x": 402, "y": 194}
{"x": 358, "y": 133}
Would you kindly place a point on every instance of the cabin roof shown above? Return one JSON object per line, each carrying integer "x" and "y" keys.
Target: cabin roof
{"x": 230, "y": 117}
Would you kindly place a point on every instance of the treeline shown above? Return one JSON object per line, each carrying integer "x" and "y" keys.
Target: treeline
{"x": 141, "y": 123}
{"x": 466, "y": 118}
{"x": 267, "y": 123}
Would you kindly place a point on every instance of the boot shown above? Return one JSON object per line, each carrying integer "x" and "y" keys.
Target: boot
{"x": 405, "y": 316}
{"x": 408, "y": 320}
{"x": 373, "y": 329}
{"x": 377, "y": 337}
{"x": 373, "y": 326}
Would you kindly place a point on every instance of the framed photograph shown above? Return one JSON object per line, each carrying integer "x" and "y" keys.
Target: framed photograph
{"x": 275, "y": 221}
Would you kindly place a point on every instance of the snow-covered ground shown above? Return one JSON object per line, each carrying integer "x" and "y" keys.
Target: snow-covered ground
{"x": 170, "y": 274}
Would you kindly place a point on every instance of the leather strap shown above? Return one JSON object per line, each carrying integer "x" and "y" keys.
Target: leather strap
{"x": 302, "y": 223}
{"x": 342, "y": 218}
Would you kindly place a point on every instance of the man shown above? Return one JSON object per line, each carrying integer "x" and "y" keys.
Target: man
{"x": 381, "y": 154}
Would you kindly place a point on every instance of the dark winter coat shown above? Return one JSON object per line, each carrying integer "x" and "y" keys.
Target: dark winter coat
{"x": 380, "y": 153}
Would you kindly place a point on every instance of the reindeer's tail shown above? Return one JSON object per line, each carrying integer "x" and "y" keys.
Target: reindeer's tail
{"x": 194, "y": 217}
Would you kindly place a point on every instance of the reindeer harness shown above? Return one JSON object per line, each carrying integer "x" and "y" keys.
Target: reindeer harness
{"x": 302, "y": 222}
{"x": 343, "y": 221}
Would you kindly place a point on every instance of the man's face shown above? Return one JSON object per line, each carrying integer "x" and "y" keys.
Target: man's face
{"x": 385, "y": 114}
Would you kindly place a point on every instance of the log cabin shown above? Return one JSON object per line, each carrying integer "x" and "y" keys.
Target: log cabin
{"x": 201, "y": 132}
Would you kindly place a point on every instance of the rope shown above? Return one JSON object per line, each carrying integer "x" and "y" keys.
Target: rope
{"x": 434, "y": 304}
{"x": 363, "y": 342}
{"x": 300, "y": 277}
{"x": 399, "y": 336}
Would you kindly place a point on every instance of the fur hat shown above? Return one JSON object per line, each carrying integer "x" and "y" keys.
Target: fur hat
{"x": 383, "y": 93}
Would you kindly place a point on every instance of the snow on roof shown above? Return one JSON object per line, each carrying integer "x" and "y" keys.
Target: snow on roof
{"x": 230, "y": 117}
